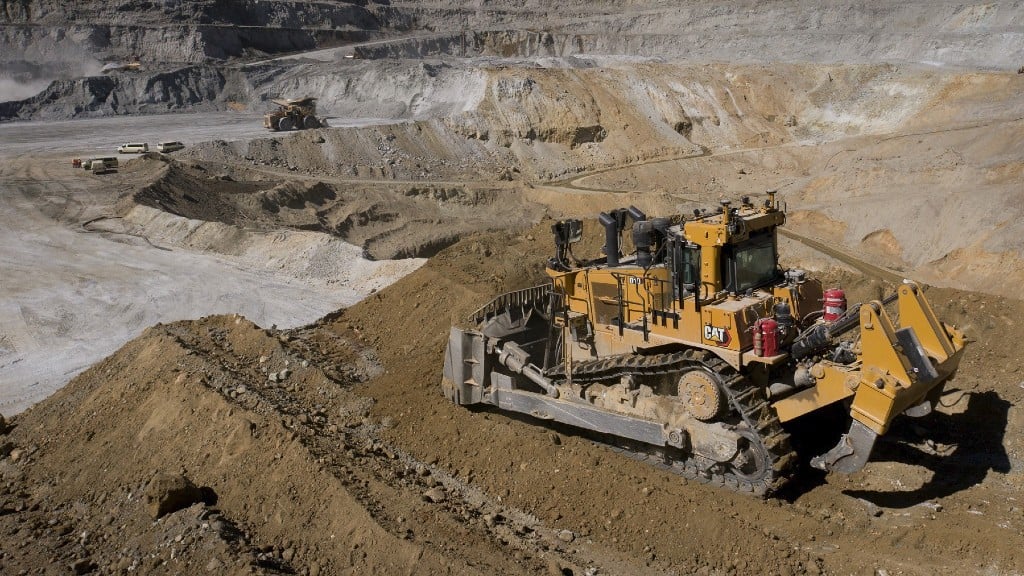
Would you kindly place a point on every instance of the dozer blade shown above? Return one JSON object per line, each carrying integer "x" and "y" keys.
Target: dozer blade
{"x": 465, "y": 367}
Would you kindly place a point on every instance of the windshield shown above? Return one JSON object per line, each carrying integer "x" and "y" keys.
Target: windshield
{"x": 751, "y": 264}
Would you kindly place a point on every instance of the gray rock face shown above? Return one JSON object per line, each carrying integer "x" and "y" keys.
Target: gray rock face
{"x": 42, "y": 41}
{"x": 916, "y": 31}
{"x": 124, "y": 93}
{"x": 186, "y": 48}
{"x": 40, "y": 30}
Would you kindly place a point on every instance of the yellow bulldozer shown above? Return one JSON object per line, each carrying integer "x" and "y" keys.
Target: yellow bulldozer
{"x": 294, "y": 114}
{"x": 695, "y": 349}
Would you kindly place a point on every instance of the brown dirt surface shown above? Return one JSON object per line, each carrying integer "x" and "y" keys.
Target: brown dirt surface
{"x": 329, "y": 449}
{"x": 401, "y": 220}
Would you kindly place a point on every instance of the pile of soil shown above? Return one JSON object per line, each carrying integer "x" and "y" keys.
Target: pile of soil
{"x": 404, "y": 220}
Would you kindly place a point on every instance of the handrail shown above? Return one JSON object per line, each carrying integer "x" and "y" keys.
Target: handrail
{"x": 520, "y": 298}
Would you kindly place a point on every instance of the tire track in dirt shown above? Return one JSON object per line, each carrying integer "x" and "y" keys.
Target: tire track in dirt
{"x": 578, "y": 182}
{"x": 868, "y": 269}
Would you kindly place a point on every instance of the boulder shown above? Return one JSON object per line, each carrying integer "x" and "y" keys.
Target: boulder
{"x": 168, "y": 493}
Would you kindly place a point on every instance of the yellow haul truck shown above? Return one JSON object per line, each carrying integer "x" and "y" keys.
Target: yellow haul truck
{"x": 295, "y": 114}
{"x": 697, "y": 347}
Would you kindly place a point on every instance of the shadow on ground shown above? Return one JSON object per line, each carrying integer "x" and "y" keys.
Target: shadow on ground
{"x": 976, "y": 438}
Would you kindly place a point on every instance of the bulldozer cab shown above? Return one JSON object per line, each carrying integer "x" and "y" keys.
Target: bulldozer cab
{"x": 750, "y": 264}
{"x": 737, "y": 249}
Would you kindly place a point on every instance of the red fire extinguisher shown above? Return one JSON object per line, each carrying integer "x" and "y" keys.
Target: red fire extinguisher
{"x": 770, "y": 336}
{"x": 766, "y": 337}
{"x": 835, "y": 304}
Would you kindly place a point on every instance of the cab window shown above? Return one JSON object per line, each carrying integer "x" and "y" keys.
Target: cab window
{"x": 750, "y": 265}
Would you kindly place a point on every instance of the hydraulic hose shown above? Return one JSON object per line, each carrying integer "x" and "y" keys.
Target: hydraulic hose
{"x": 820, "y": 336}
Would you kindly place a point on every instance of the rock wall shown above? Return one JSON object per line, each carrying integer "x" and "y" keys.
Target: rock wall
{"x": 385, "y": 90}
{"x": 548, "y": 124}
{"x": 42, "y": 40}
{"x": 977, "y": 35}
{"x": 192, "y": 87}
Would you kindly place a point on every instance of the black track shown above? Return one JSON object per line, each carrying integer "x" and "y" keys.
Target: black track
{"x": 774, "y": 459}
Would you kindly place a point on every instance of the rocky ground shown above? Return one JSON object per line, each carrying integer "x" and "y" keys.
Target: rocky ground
{"x": 328, "y": 449}
{"x": 281, "y": 302}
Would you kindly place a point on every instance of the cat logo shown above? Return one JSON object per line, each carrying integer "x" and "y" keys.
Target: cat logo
{"x": 716, "y": 334}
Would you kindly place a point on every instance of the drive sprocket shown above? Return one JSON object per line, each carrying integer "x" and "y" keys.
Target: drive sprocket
{"x": 701, "y": 394}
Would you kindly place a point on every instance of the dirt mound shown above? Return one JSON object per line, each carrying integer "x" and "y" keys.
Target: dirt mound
{"x": 401, "y": 221}
{"x": 194, "y": 193}
{"x": 296, "y": 475}
{"x": 197, "y": 397}
{"x": 562, "y": 478}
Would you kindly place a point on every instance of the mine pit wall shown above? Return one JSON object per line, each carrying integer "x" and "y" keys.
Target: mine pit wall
{"x": 688, "y": 108}
{"x": 393, "y": 90}
{"x": 182, "y": 32}
{"x": 279, "y": 13}
{"x": 35, "y": 43}
{"x": 949, "y": 34}
{"x": 386, "y": 90}
{"x": 545, "y": 124}
{"x": 994, "y": 52}
{"x": 983, "y": 36}
{"x": 195, "y": 88}
{"x": 187, "y": 44}
{"x": 42, "y": 41}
